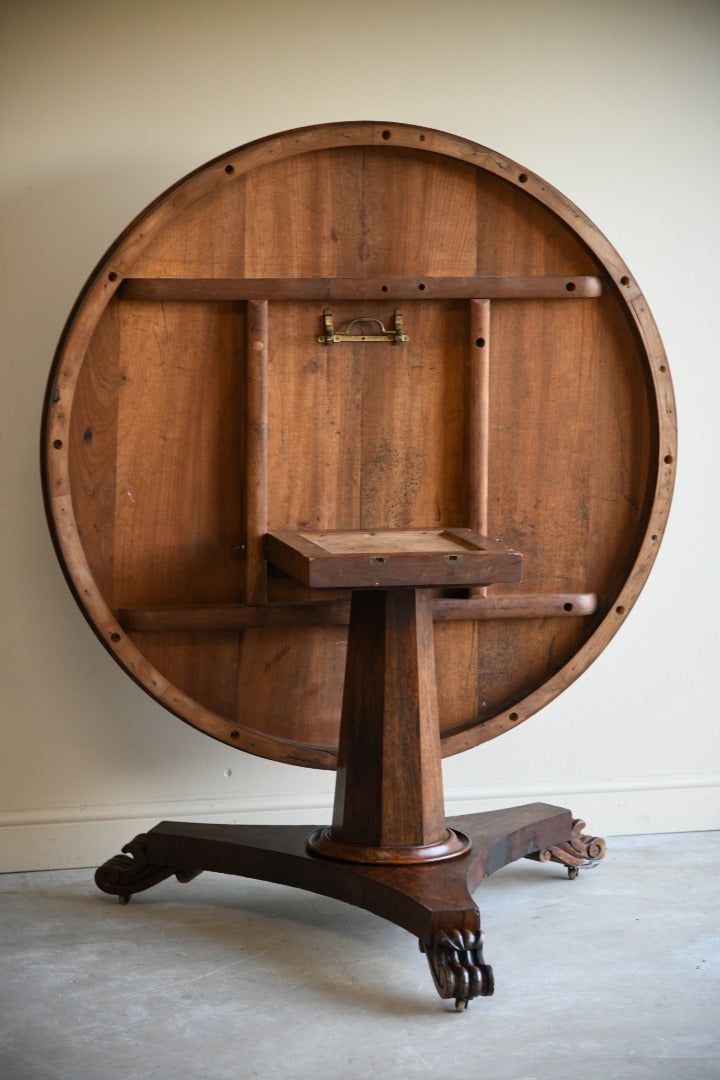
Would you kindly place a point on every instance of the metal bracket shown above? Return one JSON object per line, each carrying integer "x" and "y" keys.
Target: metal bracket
{"x": 333, "y": 337}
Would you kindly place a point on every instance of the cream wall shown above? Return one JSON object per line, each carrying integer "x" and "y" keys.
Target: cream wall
{"x": 104, "y": 105}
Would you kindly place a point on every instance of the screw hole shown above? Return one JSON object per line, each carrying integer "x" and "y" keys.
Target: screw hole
{"x": 421, "y": 138}
{"x": 229, "y": 169}
{"x": 620, "y": 610}
{"x": 383, "y": 288}
{"x": 523, "y": 178}
{"x": 115, "y": 637}
{"x": 386, "y": 134}
{"x": 112, "y": 276}
{"x": 58, "y": 444}
{"x": 625, "y": 280}
{"x": 654, "y": 536}
{"x": 570, "y": 286}
{"x": 513, "y": 716}
{"x": 663, "y": 368}
{"x": 668, "y": 459}
{"x": 234, "y": 734}
{"x": 480, "y": 342}
{"x": 421, "y": 286}
{"x": 567, "y": 607}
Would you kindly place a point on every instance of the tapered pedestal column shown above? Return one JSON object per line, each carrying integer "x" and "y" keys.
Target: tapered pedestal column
{"x": 389, "y": 805}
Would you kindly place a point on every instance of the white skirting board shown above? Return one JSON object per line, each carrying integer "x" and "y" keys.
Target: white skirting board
{"x": 66, "y": 837}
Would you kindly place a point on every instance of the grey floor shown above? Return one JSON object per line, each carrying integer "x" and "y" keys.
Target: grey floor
{"x": 614, "y": 975}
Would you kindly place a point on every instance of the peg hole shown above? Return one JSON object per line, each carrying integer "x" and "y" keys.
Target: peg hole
{"x": 625, "y": 280}
{"x": 229, "y": 169}
{"x": 523, "y": 178}
{"x": 421, "y": 286}
{"x": 234, "y": 734}
{"x": 383, "y": 288}
{"x": 421, "y": 138}
{"x": 514, "y": 717}
{"x": 570, "y": 286}
{"x": 114, "y": 637}
{"x": 620, "y": 609}
{"x": 480, "y": 342}
{"x": 58, "y": 444}
{"x": 379, "y": 560}
{"x": 567, "y": 607}
{"x": 386, "y": 134}
{"x": 668, "y": 459}
{"x": 112, "y": 276}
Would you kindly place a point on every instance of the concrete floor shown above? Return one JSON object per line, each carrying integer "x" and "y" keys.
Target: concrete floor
{"x": 614, "y": 975}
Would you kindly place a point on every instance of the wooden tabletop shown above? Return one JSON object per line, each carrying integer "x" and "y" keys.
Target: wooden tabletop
{"x": 196, "y": 405}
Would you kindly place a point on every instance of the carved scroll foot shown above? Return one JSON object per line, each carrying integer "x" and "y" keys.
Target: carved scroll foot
{"x": 456, "y": 964}
{"x": 132, "y": 871}
{"x": 580, "y": 852}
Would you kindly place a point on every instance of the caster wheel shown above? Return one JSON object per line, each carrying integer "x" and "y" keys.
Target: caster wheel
{"x": 461, "y": 1005}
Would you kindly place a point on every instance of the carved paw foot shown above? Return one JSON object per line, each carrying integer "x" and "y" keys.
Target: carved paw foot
{"x": 456, "y": 964}
{"x": 580, "y": 852}
{"x": 131, "y": 872}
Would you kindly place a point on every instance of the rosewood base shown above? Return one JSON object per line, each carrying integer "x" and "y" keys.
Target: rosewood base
{"x": 433, "y": 901}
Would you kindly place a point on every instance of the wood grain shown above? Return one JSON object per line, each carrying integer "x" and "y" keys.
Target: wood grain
{"x": 256, "y": 451}
{"x": 336, "y": 612}
{"x": 356, "y": 558}
{"x": 387, "y": 287}
{"x": 156, "y": 454}
{"x": 388, "y": 792}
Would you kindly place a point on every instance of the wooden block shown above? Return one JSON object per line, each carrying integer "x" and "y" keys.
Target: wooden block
{"x": 389, "y": 558}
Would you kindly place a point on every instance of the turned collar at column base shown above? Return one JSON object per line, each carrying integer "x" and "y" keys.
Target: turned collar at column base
{"x": 455, "y": 843}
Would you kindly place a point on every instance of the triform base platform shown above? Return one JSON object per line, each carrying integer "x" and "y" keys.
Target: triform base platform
{"x": 432, "y": 901}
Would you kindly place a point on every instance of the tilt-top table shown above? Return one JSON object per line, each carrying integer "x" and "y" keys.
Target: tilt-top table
{"x": 305, "y": 511}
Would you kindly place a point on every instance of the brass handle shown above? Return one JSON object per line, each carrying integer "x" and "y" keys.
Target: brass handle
{"x": 394, "y": 336}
